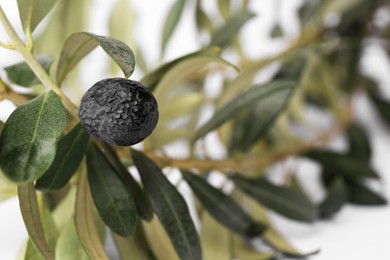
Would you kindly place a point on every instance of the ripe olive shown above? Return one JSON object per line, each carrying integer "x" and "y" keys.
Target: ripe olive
{"x": 119, "y": 111}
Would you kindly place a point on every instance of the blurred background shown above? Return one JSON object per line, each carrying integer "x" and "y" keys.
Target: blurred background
{"x": 356, "y": 232}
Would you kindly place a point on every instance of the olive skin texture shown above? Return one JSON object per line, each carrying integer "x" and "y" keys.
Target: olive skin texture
{"x": 118, "y": 111}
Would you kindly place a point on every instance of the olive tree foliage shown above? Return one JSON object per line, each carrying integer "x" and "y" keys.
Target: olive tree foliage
{"x": 75, "y": 190}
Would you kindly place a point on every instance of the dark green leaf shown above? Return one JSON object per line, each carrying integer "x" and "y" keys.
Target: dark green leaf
{"x": 283, "y": 200}
{"x": 22, "y": 75}
{"x": 223, "y": 35}
{"x": 142, "y": 202}
{"x": 171, "y": 22}
{"x": 70, "y": 151}
{"x": 361, "y": 195}
{"x": 32, "y": 12}
{"x": 113, "y": 200}
{"x": 28, "y": 140}
{"x": 342, "y": 164}
{"x": 170, "y": 208}
{"x": 335, "y": 199}
{"x": 359, "y": 145}
{"x": 1, "y": 126}
{"x": 382, "y": 106}
{"x": 78, "y": 45}
{"x": 246, "y": 100}
{"x": 222, "y": 207}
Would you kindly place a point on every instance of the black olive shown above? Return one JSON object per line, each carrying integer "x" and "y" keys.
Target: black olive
{"x": 119, "y": 111}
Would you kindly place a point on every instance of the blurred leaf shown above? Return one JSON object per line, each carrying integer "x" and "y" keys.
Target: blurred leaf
{"x": 22, "y": 75}
{"x": 246, "y": 100}
{"x": 359, "y": 145}
{"x": 280, "y": 199}
{"x": 68, "y": 245}
{"x": 222, "y": 207}
{"x": 32, "y": 220}
{"x": 259, "y": 120}
{"x": 243, "y": 251}
{"x": 170, "y": 208}
{"x": 277, "y": 31}
{"x": 224, "y": 8}
{"x": 201, "y": 18}
{"x": 361, "y": 195}
{"x": 171, "y": 22}
{"x": 32, "y": 12}
{"x": 28, "y": 140}
{"x": 223, "y": 35}
{"x": 85, "y": 221}
{"x": 339, "y": 7}
{"x": 342, "y": 164}
{"x": 215, "y": 238}
{"x": 114, "y": 201}
{"x": 70, "y": 152}
{"x": 336, "y": 197}
{"x": 78, "y": 45}
{"x": 162, "y": 137}
{"x": 142, "y": 202}
{"x": 187, "y": 104}
{"x": 382, "y": 106}
{"x": 64, "y": 211}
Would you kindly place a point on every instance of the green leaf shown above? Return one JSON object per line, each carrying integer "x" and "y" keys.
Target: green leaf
{"x": 382, "y": 106}
{"x": 142, "y": 202}
{"x": 64, "y": 211}
{"x": 28, "y": 140}
{"x": 170, "y": 208}
{"x": 32, "y": 12}
{"x": 7, "y": 188}
{"x": 70, "y": 152}
{"x": 201, "y": 18}
{"x": 223, "y": 35}
{"x": 224, "y": 8}
{"x": 78, "y": 45}
{"x": 259, "y": 120}
{"x": 359, "y": 145}
{"x": 242, "y": 250}
{"x": 22, "y": 75}
{"x": 335, "y": 199}
{"x": 222, "y": 207}
{"x": 69, "y": 246}
{"x": 113, "y": 200}
{"x": 276, "y": 31}
{"x": 283, "y": 200}
{"x": 171, "y": 22}
{"x": 361, "y": 195}
{"x": 246, "y": 100}
{"x": 32, "y": 220}
{"x": 85, "y": 222}
{"x": 342, "y": 164}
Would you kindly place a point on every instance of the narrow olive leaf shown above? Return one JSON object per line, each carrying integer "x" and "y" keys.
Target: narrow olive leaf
{"x": 359, "y": 145}
{"x": 32, "y": 12}
{"x": 337, "y": 196}
{"x": 246, "y": 100}
{"x": 215, "y": 238}
{"x": 70, "y": 152}
{"x": 222, "y": 207}
{"x": 224, "y": 8}
{"x": 223, "y": 35}
{"x": 64, "y": 211}
{"x": 85, "y": 221}
{"x": 142, "y": 202}
{"x": 260, "y": 119}
{"x": 201, "y": 18}
{"x": 22, "y": 75}
{"x": 361, "y": 195}
{"x": 113, "y": 200}
{"x": 78, "y": 45}
{"x": 171, "y": 22}
{"x": 28, "y": 140}
{"x": 32, "y": 220}
{"x": 69, "y": 246}
{"x": 382, "y": 106}
{"x": 170, "y": 208}
{"x": 342, "y": 164}
{"x": 283, "y": 200}
{"x": 242, "y": 250}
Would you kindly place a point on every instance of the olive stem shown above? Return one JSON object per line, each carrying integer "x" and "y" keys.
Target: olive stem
{"x": 29, "y": 58}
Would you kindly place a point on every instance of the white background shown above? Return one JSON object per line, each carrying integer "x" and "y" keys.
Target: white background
{"x": 356, "y": 233}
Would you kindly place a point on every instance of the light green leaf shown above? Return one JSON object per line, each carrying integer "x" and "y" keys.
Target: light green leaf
{"x": 283, "y": 200}
{"x": 22, "y": 75}
{"x": 28, "y": 140}
{"x": 68, "y": 245}
{"x": 336, "y": 197}
{"x": 64, "y": 211}
{"x": 171, "y": 22}
{"x": 32, "y": 12}
{"x": 186, "y": 102}
{"x": 243, "y": 251}
{"x": 222, "y": 207}
{"x": 70, "y": 152}
{"x": 78, "y": 45}
{"x": 224, "y": 8}
{"x": 170, "y": 208}
{"x": 246, "y": 100}
{"x": 85, "y": 221}
{"x": 32, "y": 220}
{"x": 7, "y": 188}
{"x": 202, "y": 20}
{"x": 223, "y": 35}
{"x": 114, "y": 201}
